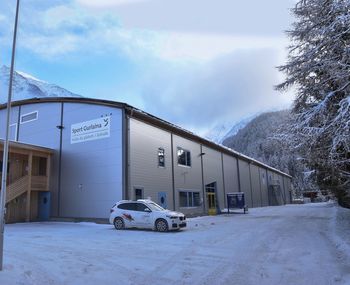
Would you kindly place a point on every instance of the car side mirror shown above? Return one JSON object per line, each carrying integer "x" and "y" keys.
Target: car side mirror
{"x": 147, "y": 210}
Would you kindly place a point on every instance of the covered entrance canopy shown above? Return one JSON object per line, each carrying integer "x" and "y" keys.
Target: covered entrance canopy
{"x": 28, "y": 176}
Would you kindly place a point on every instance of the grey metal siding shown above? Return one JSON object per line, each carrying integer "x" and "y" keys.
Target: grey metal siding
{"x": 144, "y": 171}
{"x": 288, "y": 190}
{"x": 91, "y": 170}
{"x": 276, "y": 195}
{"x": 231, "y": 175}
{"x": 42, "y": 132}
{"x": 245, "y": 181}
{"x": 212, "y": 170}
{"x": 264, "y": 187}
{"x": 279, "y": 178}
{"x": 188, "y": 178}
{"x": 13, "y": 123}
{"x": 256, "y": 191}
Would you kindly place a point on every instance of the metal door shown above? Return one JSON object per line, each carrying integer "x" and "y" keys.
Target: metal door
{"x": 44, "y": 206}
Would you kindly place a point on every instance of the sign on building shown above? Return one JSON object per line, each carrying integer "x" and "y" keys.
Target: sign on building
{"x": 90, "y": 130}
{"x": 235, "y": 200}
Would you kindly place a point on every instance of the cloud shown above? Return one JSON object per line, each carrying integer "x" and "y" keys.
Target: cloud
{"x": 103, "y": 4}
{"x": 204, "y": 47}
{"x": 49, "y": 46}
{"x": 230, "y": 17}
{"x": 66, "y": 27}
{"x": 227, "y": 88}
{"x": 216, "y": 66}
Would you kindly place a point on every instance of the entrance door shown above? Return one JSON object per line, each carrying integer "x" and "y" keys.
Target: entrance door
{"x": 211, "y": 203}
{"x": 44, "y": 206}
{"x": 210, "y": 189}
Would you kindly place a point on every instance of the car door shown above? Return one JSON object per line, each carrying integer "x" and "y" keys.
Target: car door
{"x": 128, "y": 212}
{"x": 144, "y": 216}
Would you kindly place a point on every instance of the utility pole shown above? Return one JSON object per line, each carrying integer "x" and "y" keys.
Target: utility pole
{"x": 6, "y": 145}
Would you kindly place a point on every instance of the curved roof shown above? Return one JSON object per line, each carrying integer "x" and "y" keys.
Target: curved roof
{"x": 149, "y": 118}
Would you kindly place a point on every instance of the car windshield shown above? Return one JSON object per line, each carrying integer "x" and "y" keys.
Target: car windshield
{"x": 155, "y": 207}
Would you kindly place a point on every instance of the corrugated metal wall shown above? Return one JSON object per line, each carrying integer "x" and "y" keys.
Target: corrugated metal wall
{"x": 144, "y": 171}
{"x": 213, "y": 172}
{"x": 244, "y": 178}
{"x": 91, "y": 179}
{"x": 44, "y": 132}
{"x": 264, "y": 187}
{"x": 92, "y": 172}
{"x": 230, "y": 175}
{"x": 188, "y": 178}
{"x": 256, "y": 191}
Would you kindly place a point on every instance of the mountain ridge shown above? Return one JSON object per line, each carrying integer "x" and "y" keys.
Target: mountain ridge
{"x": 26, "y": 86}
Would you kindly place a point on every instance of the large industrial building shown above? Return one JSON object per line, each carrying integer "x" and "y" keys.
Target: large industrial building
{"x": 75, "y": 157}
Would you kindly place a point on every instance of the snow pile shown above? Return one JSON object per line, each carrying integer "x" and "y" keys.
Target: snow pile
{"x": 341, "y": 232}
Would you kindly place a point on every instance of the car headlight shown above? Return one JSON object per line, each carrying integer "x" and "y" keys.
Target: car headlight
{"x": 171, "y": 217}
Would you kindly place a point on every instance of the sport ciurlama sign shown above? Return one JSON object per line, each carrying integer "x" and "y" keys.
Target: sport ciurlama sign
{"x": 90, "y": 130}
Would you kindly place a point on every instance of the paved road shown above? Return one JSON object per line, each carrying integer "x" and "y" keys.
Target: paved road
{"x": 294, "y": 244}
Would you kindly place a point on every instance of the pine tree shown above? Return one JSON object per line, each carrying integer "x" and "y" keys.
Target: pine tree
{"x": 318, "y": 67}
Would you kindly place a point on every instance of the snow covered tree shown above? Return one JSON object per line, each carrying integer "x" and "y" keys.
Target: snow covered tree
{"x": 318, "y": 67}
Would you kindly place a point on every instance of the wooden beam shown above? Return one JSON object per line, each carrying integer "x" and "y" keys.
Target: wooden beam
{"x": 30, "y": 163}
{"x": 48, "y": 172}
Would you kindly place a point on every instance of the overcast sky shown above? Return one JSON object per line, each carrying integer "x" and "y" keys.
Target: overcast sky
{"x": 195, "y": 63}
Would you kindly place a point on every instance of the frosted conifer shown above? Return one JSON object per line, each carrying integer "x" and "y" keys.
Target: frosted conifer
{"x": 318, "y": 67}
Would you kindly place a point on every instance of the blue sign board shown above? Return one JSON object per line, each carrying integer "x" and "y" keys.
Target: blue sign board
{"x": 236, "y": 200}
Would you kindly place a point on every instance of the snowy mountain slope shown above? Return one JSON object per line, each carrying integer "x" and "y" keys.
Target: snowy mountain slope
{"x": 227, "y": 129}
{"x": 218, "y": 132}
{"x": 26, "y": 86}
{"x": 264, "y": 139}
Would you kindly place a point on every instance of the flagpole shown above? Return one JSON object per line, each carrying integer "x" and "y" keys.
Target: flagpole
{"x": 6, "y": 145}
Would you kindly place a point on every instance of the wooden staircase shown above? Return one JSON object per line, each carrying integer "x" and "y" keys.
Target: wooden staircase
{"x": 20, "y": 186}
{"x": 17, "y": 188}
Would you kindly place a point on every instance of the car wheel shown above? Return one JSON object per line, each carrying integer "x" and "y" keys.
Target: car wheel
{"x": 119, "y": 223}
{"x": 161, "y": 225}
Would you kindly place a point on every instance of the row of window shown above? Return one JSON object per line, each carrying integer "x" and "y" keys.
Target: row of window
{"x": 183, "y": 157}
{"x": 187, "y": 198}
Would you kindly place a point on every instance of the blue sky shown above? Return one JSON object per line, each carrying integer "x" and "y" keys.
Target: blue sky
{"x": 195, "y": 63}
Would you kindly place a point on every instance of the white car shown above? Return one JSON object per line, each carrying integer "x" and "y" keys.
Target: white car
{"x": 145, "y": 214}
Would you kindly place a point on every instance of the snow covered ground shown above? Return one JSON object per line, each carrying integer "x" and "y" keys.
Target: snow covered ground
{"x": 293, "y": 244}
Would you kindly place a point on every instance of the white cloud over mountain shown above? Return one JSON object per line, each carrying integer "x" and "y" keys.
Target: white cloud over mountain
{"x": 197, "y": 62}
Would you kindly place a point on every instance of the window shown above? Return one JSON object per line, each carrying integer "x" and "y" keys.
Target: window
{"x": 161, "y": 158}
{"x": 210, "y": 188}
{"x": 128, "y": 206}
{"x": 29, "y": 117}
{"x": 189, "y": 199}
{"x": 183, "y": 157}
{"x": 39, "y": 166}
{"x": 142, "y": 208}
{"x": 138, "y": 193}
